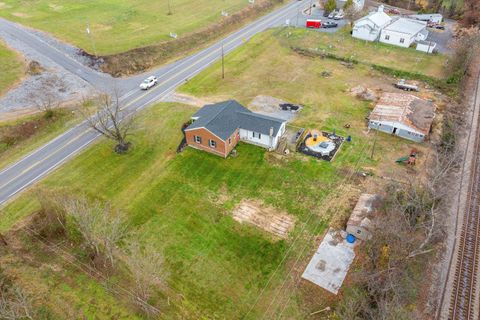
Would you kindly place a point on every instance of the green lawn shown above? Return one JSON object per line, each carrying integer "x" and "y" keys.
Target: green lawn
{"x": 172, "y": 201}
{"x": 182, "y": 203}
{"x": 342, "y": 44}
{"x": 117, "y": 25}
{"x": 11, "y": 68}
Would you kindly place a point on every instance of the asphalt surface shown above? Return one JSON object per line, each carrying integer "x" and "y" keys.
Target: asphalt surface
{"x": 47, "y": 158}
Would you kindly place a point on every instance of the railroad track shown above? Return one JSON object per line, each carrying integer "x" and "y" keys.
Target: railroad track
{"x": 465, "y": 277}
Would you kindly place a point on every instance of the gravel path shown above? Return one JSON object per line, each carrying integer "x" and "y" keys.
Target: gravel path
{"x": 54, "y": 80}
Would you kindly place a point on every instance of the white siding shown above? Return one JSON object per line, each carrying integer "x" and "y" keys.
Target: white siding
{"x": 365, "y": 33}
{"x": 265, "y": 140}
{"x": 402, "y": 130}
{"x": 426, "y": 48}
{"x": 394, "y": 38}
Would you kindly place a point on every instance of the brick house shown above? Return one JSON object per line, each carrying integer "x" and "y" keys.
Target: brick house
{"x": 217, "y": 128}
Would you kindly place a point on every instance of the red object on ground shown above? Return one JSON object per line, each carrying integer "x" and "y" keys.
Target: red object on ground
{"x": 314, "y": 23}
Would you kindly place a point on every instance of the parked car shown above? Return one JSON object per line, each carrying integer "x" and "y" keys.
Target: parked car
{"x": 439, "y": 26}
{"x": 339, "y": 16}
{"x": 393, "y": 11}
{"x": 329, "y": 24}
{"x": 148, "y": 83}
{"x": 332, "y": 14}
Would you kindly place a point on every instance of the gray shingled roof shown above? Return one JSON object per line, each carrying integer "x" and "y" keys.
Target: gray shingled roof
{"x": 222, "y": 119}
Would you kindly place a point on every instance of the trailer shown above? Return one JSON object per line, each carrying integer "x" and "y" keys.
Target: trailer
{"x": 402, "y": 84}
{"x": 315, "y": 24}
{"x": 428, "y": 17}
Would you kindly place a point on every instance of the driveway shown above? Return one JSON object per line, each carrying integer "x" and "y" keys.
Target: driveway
{"x": 443, "y": 37}
{"x": 300, "y": 20}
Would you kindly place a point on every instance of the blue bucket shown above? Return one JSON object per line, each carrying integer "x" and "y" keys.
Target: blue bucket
{"x": 351, "y": 238}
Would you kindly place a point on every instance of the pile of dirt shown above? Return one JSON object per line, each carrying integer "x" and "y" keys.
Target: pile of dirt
{"x": 34, "y": 68}
{"x": 364, "y": 93}
{"x": 141, "y": 59}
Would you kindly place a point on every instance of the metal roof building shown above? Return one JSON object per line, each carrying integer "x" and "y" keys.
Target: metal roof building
{"x": 404, "y": 115}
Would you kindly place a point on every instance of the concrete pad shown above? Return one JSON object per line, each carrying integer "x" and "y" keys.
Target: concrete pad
{"x": 330, "y": 263}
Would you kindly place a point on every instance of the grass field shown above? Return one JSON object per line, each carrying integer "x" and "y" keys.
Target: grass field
{"x": 11, "y": 68}
{"x": 182, "y": 203}
{"x": 343, "y": 45}
{"x": 117, "y": 26}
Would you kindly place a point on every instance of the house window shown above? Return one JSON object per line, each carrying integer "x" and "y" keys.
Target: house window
{"x": 256, "y": 135}
{"x": 212, "y": 143}
{"x": 402, "y": 40}
{"x": 229, "y": 140}
{"x": 387, "y": 37}
{"x": 198, "y": 139}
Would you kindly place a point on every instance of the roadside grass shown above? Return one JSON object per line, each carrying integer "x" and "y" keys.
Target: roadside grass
{"x": 31, "y": 132}
{"x": 11, "y": 68}
{"x": 342, "y": 44}
{"x": 182, "y": 203}
{"x": 117, "y": 26}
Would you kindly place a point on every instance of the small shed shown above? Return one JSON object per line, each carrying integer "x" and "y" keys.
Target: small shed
{"x": 426, "y": 46}
{"x": 404, "y": 115}
{"x": 359, "y": 224}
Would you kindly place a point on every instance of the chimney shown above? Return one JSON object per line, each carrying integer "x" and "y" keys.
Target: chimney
{"x": 380, "y": 8}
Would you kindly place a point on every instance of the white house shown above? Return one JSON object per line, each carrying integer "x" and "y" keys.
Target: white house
{"x": 369, "y": 27}
{"x": 403, "y": 32}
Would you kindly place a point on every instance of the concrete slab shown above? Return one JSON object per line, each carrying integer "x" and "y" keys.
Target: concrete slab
{"x": 330, "y": 263}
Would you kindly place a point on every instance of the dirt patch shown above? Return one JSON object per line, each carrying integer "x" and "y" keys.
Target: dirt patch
{"x": 21, "y": 15}
{"x": 268, "y": 219}
{"x": 274, "y": 107}
{"x": 141, "y": 59}
{"x": 187, "y": 99}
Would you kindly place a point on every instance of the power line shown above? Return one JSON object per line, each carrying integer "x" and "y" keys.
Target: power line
{"x": 285, "y": 255}
{"x": 303, "y": 251}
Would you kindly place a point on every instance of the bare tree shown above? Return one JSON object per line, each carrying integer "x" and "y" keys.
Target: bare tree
{"x": 147, "y": 268}
{"x": 352, "y": 14}
{"x": 47, "y": 98}
{"x": 101, "y": 228}
{"x": 110, "y": 121}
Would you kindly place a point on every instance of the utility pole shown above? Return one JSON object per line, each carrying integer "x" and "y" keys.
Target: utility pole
{"x": 298, "y": 13}
{"x": 223, "y": 62}
{"x": 89, "y": 32}
{"x": 374, "y": 144}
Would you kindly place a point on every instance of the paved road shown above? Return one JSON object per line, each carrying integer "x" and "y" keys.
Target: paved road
{"x": 42, "y": 161}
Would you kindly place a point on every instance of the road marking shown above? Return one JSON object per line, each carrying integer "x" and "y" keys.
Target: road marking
{"x": 46, "y": 158}
{"x": 255, "y": 28}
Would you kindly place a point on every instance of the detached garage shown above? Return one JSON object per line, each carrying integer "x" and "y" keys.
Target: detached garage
{"x": 404, "y": 115}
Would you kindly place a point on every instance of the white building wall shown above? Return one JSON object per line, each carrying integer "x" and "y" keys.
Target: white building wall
{"x": 395, "y": 38}
{"x": 426, "y": 48}
{"x": 364, "y": 33}
{"x": 401, "y": 130}
{"x": 265, "y": 140}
